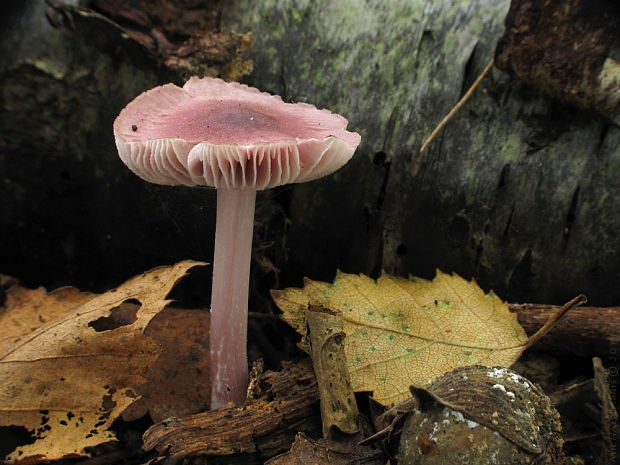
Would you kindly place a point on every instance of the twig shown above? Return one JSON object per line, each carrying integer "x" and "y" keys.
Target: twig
{"x": 458, "y": 106}
{"x": 552, "y": 321}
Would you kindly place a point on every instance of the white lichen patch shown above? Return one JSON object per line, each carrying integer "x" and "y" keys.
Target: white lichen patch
{"x": 472, "y": 424}
{"x": 519, "y": 379}
{"x": 502, "y": 388}
{"x": 503, "y": 373}
{"x": 453, "y": 416}
{"x": 497, "y": 373}
{"x": 458, "y": 416}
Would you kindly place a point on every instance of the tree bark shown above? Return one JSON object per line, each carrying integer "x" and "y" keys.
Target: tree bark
{"x": 517, "y": 191}
{"x": 288, "y": 404}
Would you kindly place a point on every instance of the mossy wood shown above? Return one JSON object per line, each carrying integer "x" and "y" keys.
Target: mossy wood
{"x": 519, "y": 190}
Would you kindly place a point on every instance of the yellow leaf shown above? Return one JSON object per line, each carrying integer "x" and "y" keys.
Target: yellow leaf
{"x": 64, "y": 375}
{"x": 401, "y": 332}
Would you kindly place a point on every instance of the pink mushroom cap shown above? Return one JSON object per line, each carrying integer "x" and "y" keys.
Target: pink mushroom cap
{"x": 219, "y": 134}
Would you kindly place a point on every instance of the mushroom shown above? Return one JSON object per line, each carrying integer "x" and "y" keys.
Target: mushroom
{"x": 238, "y": 140}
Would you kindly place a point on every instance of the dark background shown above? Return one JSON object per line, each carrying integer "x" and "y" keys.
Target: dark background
{"x": 519, "y": 191}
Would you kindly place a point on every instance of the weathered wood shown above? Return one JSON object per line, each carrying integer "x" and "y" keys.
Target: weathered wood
{"x": 609, "y": 415}
{"x": 582, "y": 331}
{"x": 517, "y": 191}
{"x": 289, "y": 404}
{"x": 589, "y": 415}
{"x": 185, "y": 40}
{"x": 564, "y": 48}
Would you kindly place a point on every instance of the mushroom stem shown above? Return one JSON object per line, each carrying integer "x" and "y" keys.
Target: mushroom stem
{"x": 229, "y": 296}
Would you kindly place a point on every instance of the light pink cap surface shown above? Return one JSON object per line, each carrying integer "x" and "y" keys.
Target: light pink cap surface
{"x": 219, "y": 134}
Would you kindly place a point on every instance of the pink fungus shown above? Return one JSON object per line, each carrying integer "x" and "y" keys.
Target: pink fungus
{"x": 238, "y": 140}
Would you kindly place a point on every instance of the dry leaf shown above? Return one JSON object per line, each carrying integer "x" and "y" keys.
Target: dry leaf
{"x": 339, "y": 410}
{"x": 406, "y": 332}
{"x": 178, "y": 382}
{"x": 66, "y": 373}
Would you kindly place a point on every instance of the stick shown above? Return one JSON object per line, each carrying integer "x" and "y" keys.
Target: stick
{"x": 555, "y": 317}
{"x": 583, "y": 331}
{"x": 458, "y": 106}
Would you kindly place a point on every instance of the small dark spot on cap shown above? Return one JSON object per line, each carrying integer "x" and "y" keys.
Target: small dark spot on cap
{"x": 134, "y": 127}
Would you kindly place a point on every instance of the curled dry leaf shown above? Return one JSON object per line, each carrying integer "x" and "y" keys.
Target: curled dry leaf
{"x": 481, "y": 414}
{"x": 66, "y": 373}
{"x": 502, "y": 400}
{"x": 403, "y": 332}
{"x": 338, "y": 407}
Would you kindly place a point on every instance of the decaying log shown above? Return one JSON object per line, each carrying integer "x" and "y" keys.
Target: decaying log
{"x": 565, "y": 48}
{"x": 185, "y": 40}
{"x": 582, "y": 331}
{"x": 289, "y": 404}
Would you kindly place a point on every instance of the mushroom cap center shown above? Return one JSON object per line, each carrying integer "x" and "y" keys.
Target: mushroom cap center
{"x": 227, "y": 134}
{"x": 225, "y": 122}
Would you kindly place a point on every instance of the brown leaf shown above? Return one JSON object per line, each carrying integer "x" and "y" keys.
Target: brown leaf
{"x": 402, "y": 332}
{"x": 178, "y": 382}
{"x": 68, "y": 369}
